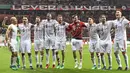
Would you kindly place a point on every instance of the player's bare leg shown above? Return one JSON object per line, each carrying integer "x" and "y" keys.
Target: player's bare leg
{"x": 41, "y": 58}
{"x": 109, "y": 61}
{"x": 14, "y": 55}
{"x": 81, "y": 56}
{"x": 93, "y": 60}
{"x": 75, "y": 59}
{"x": 99, "y": 60}
{"x": 63, "y": 57}
{"x": 126, "y": 60}
{"x": 11, "y": 61}
{"x": 58, "y": 59}
{"x": 103, "y": 61}
{"x": 37, "y": 59}
{"x": 118, "y": 60}
{"x": 30, "y": 60}
{"x": 54, "y": 57}
{"x": 47, "y": 58}
{"x": 23, "y": 60}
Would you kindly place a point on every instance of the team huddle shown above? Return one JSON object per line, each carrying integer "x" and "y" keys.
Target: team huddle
{"x": 50, "y": 34}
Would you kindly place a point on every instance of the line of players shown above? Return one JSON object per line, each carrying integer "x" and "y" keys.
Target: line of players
{"x": 51, "y": 35}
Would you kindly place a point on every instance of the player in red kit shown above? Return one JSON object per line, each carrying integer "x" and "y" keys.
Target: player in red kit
{"x": 76, "y": 29}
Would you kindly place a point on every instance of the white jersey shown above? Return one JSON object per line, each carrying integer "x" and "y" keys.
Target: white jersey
{"x": 38, "y": 32}
{"x": 104, "y": 31}
{"x": 25, "y": 31}
{"x": 61, "y": 31}
{"x": 13, "y": 34}
{"x": 93, "y": 32}
{"x": 120, "y": 28}
{"x": 49, "y": 27}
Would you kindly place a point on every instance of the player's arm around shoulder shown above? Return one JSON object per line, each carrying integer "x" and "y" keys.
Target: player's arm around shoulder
{"x": 70, "y": 27}
{"x": 98, "y": 25}
{"x": 66, "y": 24}
{"x": 86, "y": 24}
{"x": 55, "y": 23}
{"x": 110, "y": 23}
{"x": 43, "y": 23}
{"x": 31, "y": 26}
{"x": 126, "y": 22}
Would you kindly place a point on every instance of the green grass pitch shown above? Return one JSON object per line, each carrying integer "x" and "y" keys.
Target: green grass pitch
{"x": 69, "y": 63}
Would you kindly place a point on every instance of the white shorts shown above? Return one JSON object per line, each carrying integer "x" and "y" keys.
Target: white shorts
{"x": 77, "y": 44}
{"x": 13, "y": 45}
{"x": 105, "y": 47}
{"x": 120, "y": 45}
{"x": 25, "y": 46}
{"x": 49, "y": 43}
{"x": 60, "y": 45}
{"x": 38, "y": 45}
{"x": 94, "y": 47}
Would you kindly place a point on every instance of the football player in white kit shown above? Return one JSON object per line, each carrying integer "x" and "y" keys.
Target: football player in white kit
{"x": 60, "y": 42}
{"x": 104, "y": 29}
{"x": 25, "y": 41}
{"x": 18, "y": 57}
{"x": 94, "y": 43}
{"x": 120, "y": 39}
{"x": 38, "y": 41}
{"x": 49, "y": 26}
{"x": 11, "y": 35}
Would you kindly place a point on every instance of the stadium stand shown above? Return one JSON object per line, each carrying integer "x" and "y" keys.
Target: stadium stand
{"x": 66, "y": 14}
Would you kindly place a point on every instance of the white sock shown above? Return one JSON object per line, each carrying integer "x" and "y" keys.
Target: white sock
{"x": 110, "y": 60}
{"x": 11, "y": 60}
{"x": 54, "y": 58}
{"x": 126, "y": 60}
{"x": 93, "y": 60}
{"x": 37, "y": 62}
{"x": 103, "y": 60}
{"x": 99, "y": 60}
{"x": 47, "y": 58}
{"x": 81, "y": 61}
{"x": 41, "y": 59}
{"x": 118, "y": 60}
{"x": 14, "y": 61}
{"x": 30, "y": 60}
{"x": 23, "y": 60}
{"x": 76, "y": 61}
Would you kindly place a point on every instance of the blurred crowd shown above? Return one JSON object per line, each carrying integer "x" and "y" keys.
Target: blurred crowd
{"x": 70, "y": 2}
{"x": 83, "y": 15}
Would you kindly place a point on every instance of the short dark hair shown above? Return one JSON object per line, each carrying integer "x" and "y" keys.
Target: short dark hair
{"x": 25, "y": 16}
{"x": 74, "y": 15}
{"x": 37, "y": 16}
{"x": 92, "y": 18}
{"x": 118, "y": 10}
{"x": 59, "y": 15}
{"x": 102, "y": 15}
{"x": 48, "y": 13}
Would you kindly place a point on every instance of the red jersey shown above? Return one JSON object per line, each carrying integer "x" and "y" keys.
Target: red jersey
{"x": 76, "y": 29}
